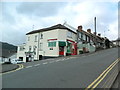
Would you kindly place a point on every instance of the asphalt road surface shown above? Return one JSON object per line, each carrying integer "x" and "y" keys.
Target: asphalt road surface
{"x": 66, "y": 72}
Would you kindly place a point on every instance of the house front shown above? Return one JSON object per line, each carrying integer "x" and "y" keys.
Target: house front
{"x": 54, "y": 41}
{"x": 84, "y": 41}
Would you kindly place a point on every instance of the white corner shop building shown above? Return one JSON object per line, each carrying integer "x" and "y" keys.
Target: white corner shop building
{"x": 54, "y": 41}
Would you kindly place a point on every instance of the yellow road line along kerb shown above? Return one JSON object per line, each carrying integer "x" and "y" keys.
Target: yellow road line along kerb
{"x": 103, "y": 77}
{"x": 20, "y": 67}
{"x": 110, "y": 78}
{"x": 113, "y": 77}
{"x": 113, "y": 64}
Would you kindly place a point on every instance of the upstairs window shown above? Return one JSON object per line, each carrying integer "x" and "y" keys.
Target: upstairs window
{"x": 35, "y": 38}
{"x": 34, "y": 49}
{"x": 41, "y": 47}
{"x": 30, "y": 48}
{"x": 21, "y": 48}
{"x": 84, "y": 37}
{"x": 69, "y": 34}
{"x": 81, "y": 35}
{"x": 41, "y": 36}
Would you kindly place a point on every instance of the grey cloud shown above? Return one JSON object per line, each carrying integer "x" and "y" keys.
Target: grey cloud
{"x": 13, "y": 37}
{"x": 7, "y": 15}
{"x": 41, "y": 9}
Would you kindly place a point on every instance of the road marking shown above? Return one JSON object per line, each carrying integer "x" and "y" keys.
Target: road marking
{"x": 72, "y": 57}
{"x": 67, "y": 58}
{"x": 102, "y": 76}
{"x": 20, "y": 67}
{"x": 51, "y": 62}
{"x": 45, "y": 63}
{"x": 28, "y": 66}
{"x": 110, "y": 78}
{"x": 58, "y": 60}
{"x": 113, "y": 77}
{"x": 37, "y": 65}
{"x": 62, "y": 60}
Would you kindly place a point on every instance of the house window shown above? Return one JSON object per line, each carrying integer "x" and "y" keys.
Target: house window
{"x": 34, "y": 49}
{"x": 69, "y": 34}
{"x": 22, "y": 48}
{"x": 28, "y": 38}
{"x": 81, "y": 35}
{"x": 30, "y": 48}
{"x": 41, "y": 47}
{"x": 88, "y": 39}
{"x": 35, "y": 38}
{"x": 51, "y": 44}
{"x": 41, "y": 36}
{"x": 84, "y": 37}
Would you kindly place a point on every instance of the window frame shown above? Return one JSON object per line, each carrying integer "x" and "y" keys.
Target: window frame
{"x": 36, "y": 38}
{"x": 52, "y": 44}
{"x": 69, "y": 34}
{"x": 40, "y": 46}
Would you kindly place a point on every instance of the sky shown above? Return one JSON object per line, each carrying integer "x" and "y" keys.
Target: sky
{"x": 20, "y": 17}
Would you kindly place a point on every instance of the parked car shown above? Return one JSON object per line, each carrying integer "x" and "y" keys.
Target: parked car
{"x": 16, "y": 61}
{"x": 5, "y": 61}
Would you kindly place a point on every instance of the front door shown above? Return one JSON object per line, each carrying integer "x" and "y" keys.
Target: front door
{"x": 27, "y": 59}
{"x": 61, "y": 50}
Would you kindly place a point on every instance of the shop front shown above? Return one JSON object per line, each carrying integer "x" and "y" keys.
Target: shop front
{"x": 71, "y": 48}
{"x": 29, "y": 56}
{"x": 61, "y": 45}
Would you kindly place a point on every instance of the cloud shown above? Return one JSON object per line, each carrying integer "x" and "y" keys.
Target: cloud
{"x": 19, "y": 18}
{"x": 41, "y": 9}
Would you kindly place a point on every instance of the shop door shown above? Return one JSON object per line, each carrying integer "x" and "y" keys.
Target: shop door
{"x": 61, "y": 50}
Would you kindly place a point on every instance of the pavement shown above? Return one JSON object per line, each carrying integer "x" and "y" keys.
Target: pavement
{"x": 68, "y": 72}
{"x": 116, "y": 84}
{"x": 8, "y": 67}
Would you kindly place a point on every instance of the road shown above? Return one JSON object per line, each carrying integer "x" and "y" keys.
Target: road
{"x": 66, "y": 72}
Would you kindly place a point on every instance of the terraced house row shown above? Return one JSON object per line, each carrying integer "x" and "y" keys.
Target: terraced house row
{"x": 58, "y": 40}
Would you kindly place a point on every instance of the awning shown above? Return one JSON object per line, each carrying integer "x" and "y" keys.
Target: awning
{"x": 62, "y": 43}
{"x": 68, "y": 43}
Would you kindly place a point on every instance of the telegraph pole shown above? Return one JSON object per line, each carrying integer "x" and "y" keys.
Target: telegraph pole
{"x": 95, "y": 25}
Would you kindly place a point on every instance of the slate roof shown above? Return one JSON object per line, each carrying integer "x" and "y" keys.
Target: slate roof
{"x": 99, "y": 39}
{"x": 58, "y": 26}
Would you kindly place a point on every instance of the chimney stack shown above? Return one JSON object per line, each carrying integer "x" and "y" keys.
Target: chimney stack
{"x": 89, "y": 30}
{"x": 99, "y": 34}
{"x": 80, "y": 28}
{"x": 94, "y": 33}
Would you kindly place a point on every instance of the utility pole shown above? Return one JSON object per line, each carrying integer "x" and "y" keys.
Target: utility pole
{"x": 95, "y": 25}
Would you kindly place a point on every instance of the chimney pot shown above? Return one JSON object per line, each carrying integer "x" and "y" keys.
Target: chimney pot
{"x": 99, "y": 34}
{"x": 80, "y": 28}
{"x": 94, "y": 33}
{"x": 89, "y": 30}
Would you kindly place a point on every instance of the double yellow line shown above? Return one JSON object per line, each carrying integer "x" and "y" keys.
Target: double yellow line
{"x": 20, "y": 67}
{"x": 95, "y": 83}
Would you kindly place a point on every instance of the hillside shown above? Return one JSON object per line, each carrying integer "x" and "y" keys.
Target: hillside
{"x": 6, "y": 50}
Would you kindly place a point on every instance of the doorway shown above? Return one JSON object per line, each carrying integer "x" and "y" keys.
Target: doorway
{"x": 61, "y": 51}
{"x": 40, "y": 57}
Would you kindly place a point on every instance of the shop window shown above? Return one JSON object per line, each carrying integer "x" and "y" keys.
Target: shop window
{"x": 51, "y": 44}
